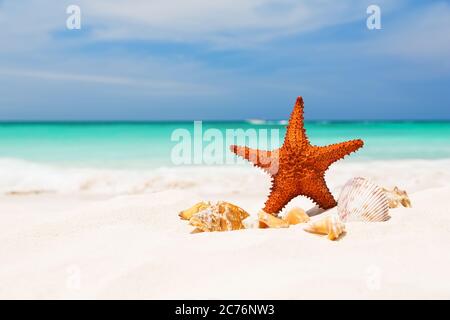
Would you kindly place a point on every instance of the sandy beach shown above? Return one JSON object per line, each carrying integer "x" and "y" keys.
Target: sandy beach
{"x": 115, "y": 116}
{"x": 127, "y": 241}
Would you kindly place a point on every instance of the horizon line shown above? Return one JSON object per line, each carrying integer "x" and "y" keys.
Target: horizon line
{"x": 249, "y": 121}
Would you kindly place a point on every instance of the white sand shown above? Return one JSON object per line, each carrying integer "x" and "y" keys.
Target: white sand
{"x": 130, "y": 243}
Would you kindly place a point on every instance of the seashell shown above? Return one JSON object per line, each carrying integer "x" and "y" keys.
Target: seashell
{"x": 332, "y": 226}
{"x": 397, "y": 197}
{"x": 222, "y": 216}
{"x": 295, "y": 216}
{"x": 188, "y": 213}
{"x": 362, "y": 200}
{"x": 251, "y": 223}
{"x": 196, "y": 230}
{"x": 267, "y": 220}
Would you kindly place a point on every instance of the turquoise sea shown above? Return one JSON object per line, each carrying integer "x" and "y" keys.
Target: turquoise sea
{"x": 149, "y": 144}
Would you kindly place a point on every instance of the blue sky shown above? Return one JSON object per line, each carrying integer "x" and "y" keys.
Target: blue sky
{"x": 223, "y": 59}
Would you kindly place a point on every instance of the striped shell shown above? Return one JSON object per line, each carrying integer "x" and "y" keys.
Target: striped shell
{"x": 362, "y": 200}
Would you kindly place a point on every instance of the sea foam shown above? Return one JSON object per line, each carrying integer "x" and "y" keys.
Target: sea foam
{"x": 20, "y": 177}
{"x": 23, "y": 177}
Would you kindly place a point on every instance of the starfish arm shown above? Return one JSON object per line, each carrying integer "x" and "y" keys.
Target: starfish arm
{"x": 279, "y": 197}
{"x": 327, "y": 155}
{"x": 267, "y": 160}
{"x": 317, "y": 190}
{"x": 295, "y": 132}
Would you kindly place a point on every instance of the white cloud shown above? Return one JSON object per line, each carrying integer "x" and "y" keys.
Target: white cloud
{"x": 423, "y": 35}
{"x": 27, "y": 25}
{"x": 219, "y": 22}
{"x": 31, "y": 50}
{"x": 155, "y": 86}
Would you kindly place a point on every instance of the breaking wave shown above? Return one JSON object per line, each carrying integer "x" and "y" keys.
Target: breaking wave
{"x": 20, "y": 177}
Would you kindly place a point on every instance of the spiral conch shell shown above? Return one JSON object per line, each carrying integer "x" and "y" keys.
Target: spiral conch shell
{"x": 362, "y": 200}
{"x": 397, "y": 198}
{"x": 331, "y": 225}
{"x": 196, "y": 208}
{"x": 267, "y": 220}
{"x": 222, "y": 216}
{"x": 295, "y": 216}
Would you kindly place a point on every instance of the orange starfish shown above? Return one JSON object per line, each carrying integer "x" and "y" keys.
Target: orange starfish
{"x": 297, "y": 168}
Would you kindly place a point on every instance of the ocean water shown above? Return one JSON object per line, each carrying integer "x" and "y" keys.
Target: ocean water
{"x": 129, "y": 158}
{"x": 151, "y": 145}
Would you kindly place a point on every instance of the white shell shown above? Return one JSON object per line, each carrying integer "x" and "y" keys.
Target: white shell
{"x": 362, "y": 200}
{"x": 330, "y": 225}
